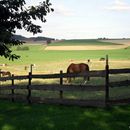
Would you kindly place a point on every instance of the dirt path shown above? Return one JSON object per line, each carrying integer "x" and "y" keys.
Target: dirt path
{"x": 89, "y": 47}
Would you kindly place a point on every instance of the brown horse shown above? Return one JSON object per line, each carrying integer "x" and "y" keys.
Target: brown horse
{"x": 77, "y": 68}
{"x": 5, "y": 73}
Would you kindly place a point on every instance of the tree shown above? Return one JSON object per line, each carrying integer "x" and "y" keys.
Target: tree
{"x": 15, "y": 15}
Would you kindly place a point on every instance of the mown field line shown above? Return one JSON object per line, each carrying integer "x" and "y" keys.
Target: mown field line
{"x": 88, "y": 47}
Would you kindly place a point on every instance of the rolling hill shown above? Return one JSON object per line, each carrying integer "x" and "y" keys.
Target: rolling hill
{"x": 32, "y": 39}
{"x": 82, "y": 42}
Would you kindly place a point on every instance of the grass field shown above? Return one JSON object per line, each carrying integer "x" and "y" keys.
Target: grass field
{"x": 48, "y": 61}
{"x": 54, "y": 61}
{"x": 19, "y": 116}
{"x": 83, "y": 42}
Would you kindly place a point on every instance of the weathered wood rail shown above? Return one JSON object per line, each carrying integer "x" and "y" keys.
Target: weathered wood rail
{"x": 61, "y": 87}
{"x": 99, "y": 73}
{"x": 54, "y": 87}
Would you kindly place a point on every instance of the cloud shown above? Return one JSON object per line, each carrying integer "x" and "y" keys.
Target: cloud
{"x": 118, "y": 5}
{"x": 64, "y": 11}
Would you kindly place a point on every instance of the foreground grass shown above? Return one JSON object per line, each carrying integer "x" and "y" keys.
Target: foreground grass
{"x": 19, "y": 116}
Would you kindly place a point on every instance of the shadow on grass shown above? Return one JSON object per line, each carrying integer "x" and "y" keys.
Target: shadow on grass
{"x": 19, "y": 116}
{"x": 56, "y": 94}
{"x": 115, "y": 93}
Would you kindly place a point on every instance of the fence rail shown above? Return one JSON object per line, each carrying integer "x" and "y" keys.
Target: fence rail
{"x": 120, "y": 83}
{"x": 57, "y": 87}
{"x": 54, "y": 87}
{"x": 61, "y": 87}
{"x": 99, "y": 73}
{"x": 119, "y": 71}
{"x": 94, "y": 103}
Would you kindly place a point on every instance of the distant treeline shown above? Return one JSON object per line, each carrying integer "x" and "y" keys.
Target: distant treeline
{"x": 22, "y": 38}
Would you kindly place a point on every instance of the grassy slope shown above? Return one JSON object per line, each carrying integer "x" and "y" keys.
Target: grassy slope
{"x": 18, "y": 116}
{"x": 82, "y": 42}
{"x": 37, "y": 54}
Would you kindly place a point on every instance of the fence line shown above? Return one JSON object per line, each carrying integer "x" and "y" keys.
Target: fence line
{"x": 55, "y": 87}
{"x": 95, "y": 73}
{"x": 63, "y": 87}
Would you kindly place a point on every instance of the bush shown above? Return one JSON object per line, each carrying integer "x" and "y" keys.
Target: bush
{"x": 22, "y": 48}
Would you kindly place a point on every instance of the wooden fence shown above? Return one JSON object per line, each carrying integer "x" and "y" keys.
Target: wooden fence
{"x": 61, "y": 87}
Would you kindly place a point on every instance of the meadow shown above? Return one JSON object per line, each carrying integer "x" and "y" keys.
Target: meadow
{"x": 21, "y": 116}
{"x": 51, "y": 61}
{"x": 83, "y": 42}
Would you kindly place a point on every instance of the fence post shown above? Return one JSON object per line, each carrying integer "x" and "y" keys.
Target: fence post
{"x": 61, "y": 83}
{"x": 31, "y": 68}
{"x": 12, "y": 90}
{"x": 28, "y": 87}
{"x": 0, "y": 81}
{"x": 0, "y": 77}
{"x": 107, "y": 82}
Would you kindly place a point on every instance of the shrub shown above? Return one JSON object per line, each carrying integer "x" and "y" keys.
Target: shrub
{"x": 22, "y": 48}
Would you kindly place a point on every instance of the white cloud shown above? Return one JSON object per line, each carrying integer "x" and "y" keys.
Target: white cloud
{"x": 64, "y": 11}
{"x": 118, "y": 5}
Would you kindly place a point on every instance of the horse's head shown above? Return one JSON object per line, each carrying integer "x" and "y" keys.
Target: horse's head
{"x": 68, "y": 80}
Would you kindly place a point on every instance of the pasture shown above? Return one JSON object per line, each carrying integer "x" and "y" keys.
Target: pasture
{"x": 84, "y": 42}
{"x": 52, "y": 61}
{"x": 49, "y": 117}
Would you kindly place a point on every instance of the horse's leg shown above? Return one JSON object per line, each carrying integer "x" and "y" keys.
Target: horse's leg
{"x": 68, "y": 80}
{"x": 85, "y": 80}
{"x": 87, "y": 77}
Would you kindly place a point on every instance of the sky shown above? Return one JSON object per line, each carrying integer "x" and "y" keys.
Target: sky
{"x": 85, "y": 19}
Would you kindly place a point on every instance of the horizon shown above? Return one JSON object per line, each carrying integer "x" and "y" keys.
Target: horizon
{"x": 85, "y": 20}
{"x": 100, "y": 38}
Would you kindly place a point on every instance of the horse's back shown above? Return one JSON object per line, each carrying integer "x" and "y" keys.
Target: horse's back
{"x": 73, "y": 68}
{"x": 77, "y": 68}
{"x": 84, "y": 67}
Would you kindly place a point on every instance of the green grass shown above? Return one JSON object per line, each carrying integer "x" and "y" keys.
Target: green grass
{"x": 115, "y": 93}
{"x": 78, "y": 42}
{"x": 19, "y": 116}
{"x": 37, "y": 54}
